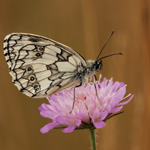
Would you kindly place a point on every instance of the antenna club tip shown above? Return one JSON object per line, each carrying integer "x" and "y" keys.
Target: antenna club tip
{"x": 120, "y": 53}
{"x": 112, "y": 32}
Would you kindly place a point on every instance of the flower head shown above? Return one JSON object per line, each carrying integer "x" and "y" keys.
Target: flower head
{"x": 89, "y": 108}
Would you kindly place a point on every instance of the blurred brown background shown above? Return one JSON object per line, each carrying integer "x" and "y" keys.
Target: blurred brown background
{"x": 83, "y": 25}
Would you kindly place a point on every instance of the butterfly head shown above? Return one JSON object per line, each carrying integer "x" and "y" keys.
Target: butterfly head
{"x": 94, "y": 65}
{"x": 97, "y": 66}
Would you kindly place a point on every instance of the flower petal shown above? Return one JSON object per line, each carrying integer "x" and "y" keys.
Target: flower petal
{"x": 117, "y": 109}
{"x": 48, "y": 127}
{"x": 69, "y": 129}
{"x": 125, "y": 102}
{"x": 99, "y": 124}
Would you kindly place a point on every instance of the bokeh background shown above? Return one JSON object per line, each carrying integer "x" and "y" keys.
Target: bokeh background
{"x": 83, "y": 25}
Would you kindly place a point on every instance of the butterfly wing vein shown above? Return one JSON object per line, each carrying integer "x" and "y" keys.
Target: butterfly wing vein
{"x": 40, "y": 66}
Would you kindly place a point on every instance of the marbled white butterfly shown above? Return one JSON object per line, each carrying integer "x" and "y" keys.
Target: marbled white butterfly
{"x": 40, "y": 66}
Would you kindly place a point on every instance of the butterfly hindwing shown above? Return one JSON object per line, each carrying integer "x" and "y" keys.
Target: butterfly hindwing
{"x": 40, "y": 66}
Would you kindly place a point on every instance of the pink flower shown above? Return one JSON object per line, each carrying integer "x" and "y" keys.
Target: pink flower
{"x": 89, "y": 109}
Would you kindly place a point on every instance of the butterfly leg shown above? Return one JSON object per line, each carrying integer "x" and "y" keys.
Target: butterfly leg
{"x": 95, "y": 78}
{"x": 74, "y": 95}
{"x": 96, "y": 92}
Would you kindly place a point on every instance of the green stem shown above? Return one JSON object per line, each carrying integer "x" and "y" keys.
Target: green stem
{"x": 93, "y": 145}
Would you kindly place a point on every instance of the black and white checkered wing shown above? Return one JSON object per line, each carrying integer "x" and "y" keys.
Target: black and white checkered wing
{"x": 40, "y": 66}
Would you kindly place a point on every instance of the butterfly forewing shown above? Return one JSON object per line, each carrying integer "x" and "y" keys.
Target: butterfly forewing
{"x": 40, "y": 66}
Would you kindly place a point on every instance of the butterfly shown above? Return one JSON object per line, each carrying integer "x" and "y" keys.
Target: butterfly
{"x": 40, "y": 66}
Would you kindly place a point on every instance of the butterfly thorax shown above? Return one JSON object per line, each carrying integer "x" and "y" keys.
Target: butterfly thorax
{"x": 85, "y": 75}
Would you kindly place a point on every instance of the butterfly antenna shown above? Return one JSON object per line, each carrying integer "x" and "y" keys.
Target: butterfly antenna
{"x": 110, "y": 55}
{"x": 105, "y": 45}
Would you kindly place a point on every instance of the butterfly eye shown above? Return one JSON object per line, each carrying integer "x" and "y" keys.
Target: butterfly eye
{"x": 32, "y": 78}
{"x": 97, "y": 66}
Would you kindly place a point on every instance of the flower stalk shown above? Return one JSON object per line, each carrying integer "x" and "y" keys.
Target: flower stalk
{"x": 93, "y": 143}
